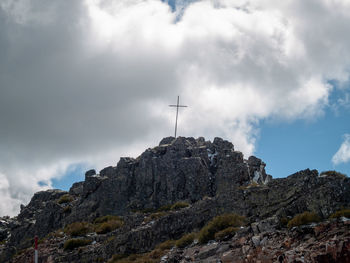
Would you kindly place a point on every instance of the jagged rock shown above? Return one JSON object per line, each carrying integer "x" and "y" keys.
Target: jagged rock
{"x": 4, "y": 226}
{"x": 77, "y": 189}
{"x": 211, "y": 176}
{"x": 167, "y": 140}
{"x": 266, "y": 225}
{"x": 3, "y": 234}
{"x": 257, "y": 171}
{"x": 90, "y": 173}
{"x": 108, "y": 171}
{"x": 178, "y": 169}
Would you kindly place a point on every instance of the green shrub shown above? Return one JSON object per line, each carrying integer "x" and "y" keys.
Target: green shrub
{"x": 303, "y": 219}
{"x": 105, "y": 224}
{"x": 166, "y": 245}
{"x": 55, "y": 234}
{"x": 226, "y": 233}
{"x": 333, "y": 173}
{"x": 154, "y": 216}
{"x": 341, "y": 213}
{"x": 165, "y": 208}
{"x": 78, "y": 229}
{"x": 219, "y": 223}
{"x": 108, "y": 226}
{"x": 74, "y": 243}
{"x": 103, "y": 219}
{"x": 179, "y": 205}
{"x": 66, "y": 198}
{"x": 185, "y": 240}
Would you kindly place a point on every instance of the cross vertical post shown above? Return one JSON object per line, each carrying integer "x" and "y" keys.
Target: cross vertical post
{"x": 177, "y": 111}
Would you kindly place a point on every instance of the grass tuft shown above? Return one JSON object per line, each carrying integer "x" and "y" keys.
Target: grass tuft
{"x": 225, "y": 234}
{"x": 219, "y": 223}
{"x": 179, "y": 205}
{"x": 108, "y": 223}
{"x": 66, "y": 198}
{"x": 303, "y": 219}
{"x": 107, "y": 218}
{"x": 341, "y": 213}
{"x": 166, "y": 245}
{"x": 185, "y": 240}
{"x": 333, "y": 174}
{"x": 108, "y": 226}
{"x": 78, "y": 229}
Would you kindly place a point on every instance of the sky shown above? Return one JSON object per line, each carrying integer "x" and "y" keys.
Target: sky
{"x": 85, "y": 82}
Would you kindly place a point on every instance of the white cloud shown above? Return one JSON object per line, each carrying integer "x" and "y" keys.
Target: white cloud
{"x": 88, "y": 81}
{"x": 343, "y": 153}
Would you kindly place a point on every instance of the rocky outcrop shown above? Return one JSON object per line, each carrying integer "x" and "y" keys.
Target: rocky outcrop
{"x": 178, "y": 169}
{"x": 211, "y": 176}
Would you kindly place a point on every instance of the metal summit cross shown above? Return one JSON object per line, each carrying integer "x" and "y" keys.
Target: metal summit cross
{"x": 177, "y": 111}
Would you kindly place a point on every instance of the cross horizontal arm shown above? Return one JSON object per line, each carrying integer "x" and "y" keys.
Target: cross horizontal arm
{"x": 178, "y": 106}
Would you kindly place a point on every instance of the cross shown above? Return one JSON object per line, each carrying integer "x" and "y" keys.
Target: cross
{"x": 177, "y": 111}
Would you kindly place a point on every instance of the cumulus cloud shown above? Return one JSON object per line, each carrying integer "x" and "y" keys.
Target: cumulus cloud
{"x": 89, "y": 81}
{"x": 343, "y": 153}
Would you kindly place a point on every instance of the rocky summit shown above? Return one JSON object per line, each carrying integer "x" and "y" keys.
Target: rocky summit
{"x": 186, "y": 200}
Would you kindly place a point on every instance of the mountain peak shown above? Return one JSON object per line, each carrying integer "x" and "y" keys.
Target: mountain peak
{"x": 208, "y": 178}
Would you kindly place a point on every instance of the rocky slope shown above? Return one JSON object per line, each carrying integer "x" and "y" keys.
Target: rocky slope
{"x": 211, "y": 177}
{"x": 324, "y": 242}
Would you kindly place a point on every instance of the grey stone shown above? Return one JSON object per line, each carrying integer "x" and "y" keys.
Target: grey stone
{"x": 90, "y": 173}
{"x": 266, "y": 225}
{"x": 256, "y": 241}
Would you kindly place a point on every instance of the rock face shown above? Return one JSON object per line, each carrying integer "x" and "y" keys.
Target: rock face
{"x": 211, "y": 176}
{"x": 181, "y": 169}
